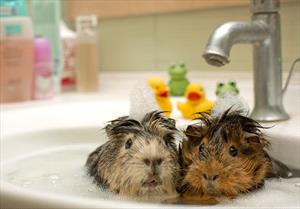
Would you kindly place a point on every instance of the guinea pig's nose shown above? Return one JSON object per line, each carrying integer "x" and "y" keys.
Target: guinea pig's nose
{"x": 210, "y": 177}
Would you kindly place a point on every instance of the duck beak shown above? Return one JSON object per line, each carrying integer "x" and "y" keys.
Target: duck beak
{"x": 163, "y": 93}
{"x": 194, "y": 96}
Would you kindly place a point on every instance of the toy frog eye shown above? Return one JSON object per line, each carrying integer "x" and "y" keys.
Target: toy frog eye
{"x": 232, "y": 83}
{"x": 220, "y": 84}
{"x": 182, "y": 65}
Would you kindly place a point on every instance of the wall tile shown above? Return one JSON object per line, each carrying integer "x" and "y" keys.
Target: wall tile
{"x": 154, "y": 42}
{"x": 127, "y": 44}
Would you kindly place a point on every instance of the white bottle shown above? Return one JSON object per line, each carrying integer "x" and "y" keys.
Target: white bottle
{"x": 68, "y": 37}
{"x": 86, "y": 54}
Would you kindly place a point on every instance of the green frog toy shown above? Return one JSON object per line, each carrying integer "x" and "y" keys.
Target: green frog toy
{"x": 178, "y": 81}
{"x": 227, "y": 88}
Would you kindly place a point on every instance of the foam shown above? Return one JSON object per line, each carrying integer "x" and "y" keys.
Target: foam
{"x": 61, "y": 171}
{"x": 142, "y": 101}
{"x": 58, "y": 171}
{"x": 235, "y": 102}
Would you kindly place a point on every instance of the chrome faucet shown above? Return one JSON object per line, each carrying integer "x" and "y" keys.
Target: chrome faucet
{"x": 264, "y": 33}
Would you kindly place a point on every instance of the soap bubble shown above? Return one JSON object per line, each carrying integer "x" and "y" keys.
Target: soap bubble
{"x": 142, "y": 101}
{"x": 54, "y": 177}
{"x": 232, "y": 101}
{"x": 26, "y": 183}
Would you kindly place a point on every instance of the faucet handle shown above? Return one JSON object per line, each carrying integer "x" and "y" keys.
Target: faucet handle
{"x": 264, "y": 6}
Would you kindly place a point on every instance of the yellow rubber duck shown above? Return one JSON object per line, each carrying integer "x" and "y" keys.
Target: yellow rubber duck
{"x": 196, "y": 102}
{"x": 161, "y": 93}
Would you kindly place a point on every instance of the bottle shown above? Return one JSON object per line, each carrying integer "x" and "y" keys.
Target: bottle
{"x": 16, "y": 58}
{"x": 43, "y": 80}
{"x": 46, "y": 17}
{"x": 68, "y": 37}
{"x": 86, "y": 54}
{"x": 12, "y": 8}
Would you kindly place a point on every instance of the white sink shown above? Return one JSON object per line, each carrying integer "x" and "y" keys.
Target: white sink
{"x": 39, "y": 138}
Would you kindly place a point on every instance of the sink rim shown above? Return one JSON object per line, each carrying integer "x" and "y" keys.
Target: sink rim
{"x": 61, "y": 200}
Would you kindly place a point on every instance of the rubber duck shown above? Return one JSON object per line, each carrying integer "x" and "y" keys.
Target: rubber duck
{"x": 196, "y": 102}
{"x": 161, "y": 93}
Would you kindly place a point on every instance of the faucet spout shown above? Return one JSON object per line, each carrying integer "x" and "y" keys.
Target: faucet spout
{"x": 263, "y": 32}
{"x": 218, "y": 48}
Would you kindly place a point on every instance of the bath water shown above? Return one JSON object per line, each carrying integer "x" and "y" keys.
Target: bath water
{"x": 62, "y": 171}
{"x": 58, "y": 170}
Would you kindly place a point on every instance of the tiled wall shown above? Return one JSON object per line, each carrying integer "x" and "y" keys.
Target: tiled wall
{"x": 156, "y": 41}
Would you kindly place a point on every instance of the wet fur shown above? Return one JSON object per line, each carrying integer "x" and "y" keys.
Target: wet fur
{"x": 242, "y": 173}
{"x": 122, "y": 170}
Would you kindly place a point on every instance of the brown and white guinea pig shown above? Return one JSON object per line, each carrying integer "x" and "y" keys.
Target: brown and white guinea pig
{"x": 222, "y": 157}
{"x": 140, "y": 159}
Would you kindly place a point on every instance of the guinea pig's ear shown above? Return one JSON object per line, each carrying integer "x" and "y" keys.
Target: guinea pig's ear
{"x": 256, "y": 141}
{"x": 156, "y": 122}
{"x": 112, "y": 124}
{"x": 122, "y": 126}
{"x": 108, "y": 130}
{"x": 195, "y": 133}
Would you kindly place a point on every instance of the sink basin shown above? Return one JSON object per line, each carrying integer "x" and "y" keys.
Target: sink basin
{"x": 44, "y": 147}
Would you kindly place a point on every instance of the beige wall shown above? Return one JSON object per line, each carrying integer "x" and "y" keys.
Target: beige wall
{"x": 154, "y": 42}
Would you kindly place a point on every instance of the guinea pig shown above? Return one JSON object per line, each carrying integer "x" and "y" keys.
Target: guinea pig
{"x": 140, "y": 158}
{"x": 222, "y": 157}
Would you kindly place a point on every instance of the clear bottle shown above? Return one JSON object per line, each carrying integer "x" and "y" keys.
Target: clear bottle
{"x": 46, "y": 17}
{"x": 43, "y": 69}
{"x": 86, "y": 54}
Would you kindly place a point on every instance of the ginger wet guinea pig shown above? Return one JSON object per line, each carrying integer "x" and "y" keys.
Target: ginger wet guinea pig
{"x": 140, "y": 159}
{"x": 223, "y": 157}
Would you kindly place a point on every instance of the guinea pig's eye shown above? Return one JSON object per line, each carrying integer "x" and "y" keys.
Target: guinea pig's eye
{"x": 128, "y": 144}
{"x": 233, "y": 151}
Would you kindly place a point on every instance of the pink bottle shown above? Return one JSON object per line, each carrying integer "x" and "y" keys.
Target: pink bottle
{"x": 43, "y": 69}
